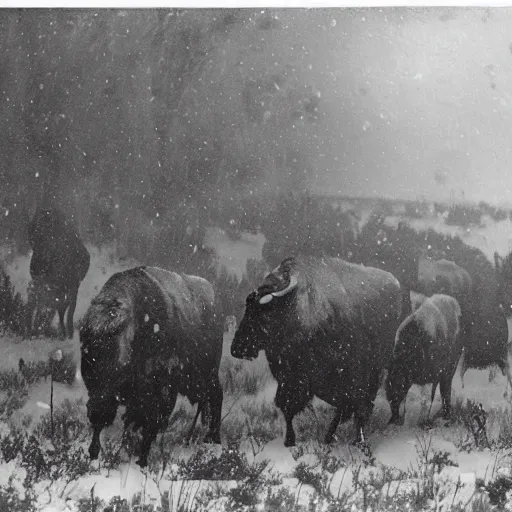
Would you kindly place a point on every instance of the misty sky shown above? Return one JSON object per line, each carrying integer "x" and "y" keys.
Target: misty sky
{"x": 416, "y": 102}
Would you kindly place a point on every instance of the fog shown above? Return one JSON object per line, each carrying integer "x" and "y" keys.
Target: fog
{"x": 395, "y": 102}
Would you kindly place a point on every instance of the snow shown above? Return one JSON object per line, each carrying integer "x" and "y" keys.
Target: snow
{"x": 391, "y": 446}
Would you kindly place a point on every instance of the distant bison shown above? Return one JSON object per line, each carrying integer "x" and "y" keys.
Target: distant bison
{"x": 427, "y": 350}
{"x": 327, "y": 328}
{"x": 483, "y": 323}
{"x": 391, "y": 249}
{"x": 417, "y": 300}
{"x": 59, "y": 263}
{"x": 445, "y": 277}
{"x": 147, "y": 336}
{"x": 42, "y": 305}
{"x": 436, "y": 275}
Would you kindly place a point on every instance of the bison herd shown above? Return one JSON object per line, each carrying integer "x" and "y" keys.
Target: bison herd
{"x": 328, "y": 327}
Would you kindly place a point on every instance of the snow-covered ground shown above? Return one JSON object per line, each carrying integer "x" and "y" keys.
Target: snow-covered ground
{"x": 398, "y": 447}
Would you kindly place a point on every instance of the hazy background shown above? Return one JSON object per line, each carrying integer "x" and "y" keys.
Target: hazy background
{"x": 204, "y": 104}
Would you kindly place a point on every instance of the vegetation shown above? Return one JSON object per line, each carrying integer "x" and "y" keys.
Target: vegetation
{"x": 463, "y": 215}
{"x": 11, "y": 306}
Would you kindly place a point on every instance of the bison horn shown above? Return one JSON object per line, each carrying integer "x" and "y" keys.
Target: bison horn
{"x": 288, "y": 289}
{"x": 266, "y": 299}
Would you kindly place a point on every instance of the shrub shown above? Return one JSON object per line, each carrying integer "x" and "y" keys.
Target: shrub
{"x": 239, "y": 377}
{"x": 93, "y": 504}
{"x": 384, "y": 208}
{"x": 279, "y": 500}
{"x": 231, "y": 464}
{"x": 247, "y": 493}
{"x": 12, "y": 307}
{"x": 225, "y": 286}
{"x": 10, "y": 499}
{"x": 497, "y": 214}
{"x": 416, "y": 210}
{"x": 463, "y": 216}
{"x": 63, "y": 459}
{"x": 306, "y": 225}
{"x": 497, "y": 490}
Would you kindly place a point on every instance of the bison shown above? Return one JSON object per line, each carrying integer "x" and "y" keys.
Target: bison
{"x": 484, "y": 329}
{"x": 446, "y": 277}
{"x": 487, "y": 343}
{"x": 327, "y": 328}
{"x": 147, "y": 336}
{"x": 391, "y": 249}
{"x": 427, "y": 349}
{"x": 58, "y": 265}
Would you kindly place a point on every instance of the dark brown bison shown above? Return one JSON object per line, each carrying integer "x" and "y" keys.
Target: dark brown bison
{"x": 327, "y": 328}
{"x": 437, "y": 275}
{"x": 399, "y": 251}
{"x": 428, "y": 348}
{"x": 147, "y": 336}
{"x": 487, "y": 343}
{"x": 58, "y": 265}
{"x": 393, "y": 249}
{"x": 445, "y": 277}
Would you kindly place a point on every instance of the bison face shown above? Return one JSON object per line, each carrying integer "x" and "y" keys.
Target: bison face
{"x": 106, "y": 336}
{"x": 252, "y": 333}
{"x": 266, "y": 312}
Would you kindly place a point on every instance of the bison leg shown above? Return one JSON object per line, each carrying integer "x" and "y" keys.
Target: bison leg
{"x": 365, "y": 403}
{"x": 362, "y": 413}
{"x": 101, "y": 413}
{"x": 193, "y": 426}
{"x": 71, "y": 312}
{"x": 214, "y": 402}
{"x": 445, "y": 386}
{"x": 62, "y": 328}
{"x": 153, "y": 421}
{"x": 342, "y": 415}
{"x": 29, "y": 317}
{"x": 397, "y": 387}
{"x": 94, "y": 448}
{"x": 292, "y": 398}
{"x": 46, "y": 320}
{"x": 149, "y": 433}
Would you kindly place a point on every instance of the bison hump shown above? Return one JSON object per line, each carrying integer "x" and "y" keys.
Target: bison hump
{"x": 190, "y": 296}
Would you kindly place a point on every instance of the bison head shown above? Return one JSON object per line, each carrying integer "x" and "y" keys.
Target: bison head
{"x": 106, "y": 335}
{"x": 266, "y": 311}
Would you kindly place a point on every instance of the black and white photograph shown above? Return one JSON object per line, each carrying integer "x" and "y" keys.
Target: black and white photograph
{"x": 256, "y": 259}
